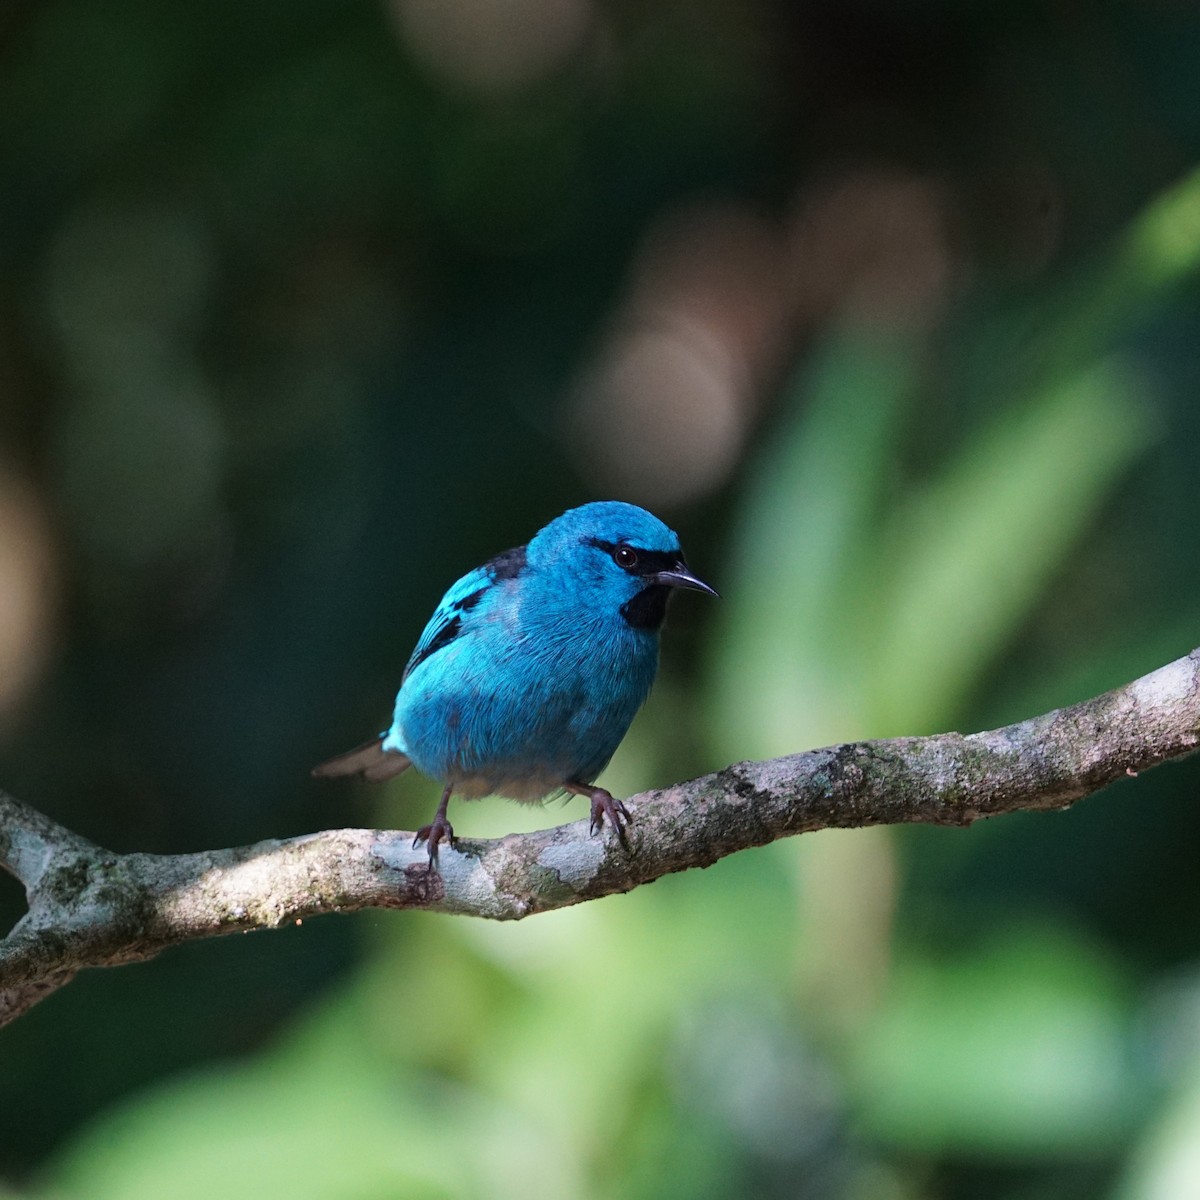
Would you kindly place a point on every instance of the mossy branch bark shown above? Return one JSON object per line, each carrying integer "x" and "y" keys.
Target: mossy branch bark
{"x": 89, "y": 907}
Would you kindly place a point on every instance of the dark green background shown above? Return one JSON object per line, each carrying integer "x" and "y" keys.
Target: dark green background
{"x": 306, "y": 308}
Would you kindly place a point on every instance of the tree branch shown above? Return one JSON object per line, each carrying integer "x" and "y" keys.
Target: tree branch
{"x": 89, "y": 907}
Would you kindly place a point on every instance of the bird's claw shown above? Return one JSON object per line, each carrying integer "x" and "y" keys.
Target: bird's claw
{"x": 437, "y": 831}
{"x": 604, "y": 805}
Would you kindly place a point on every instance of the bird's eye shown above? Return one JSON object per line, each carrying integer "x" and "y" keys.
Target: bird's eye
{"x": 625, "y": 557}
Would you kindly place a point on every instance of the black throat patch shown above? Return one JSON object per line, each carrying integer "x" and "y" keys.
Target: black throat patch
{"x": 648, "y": 608}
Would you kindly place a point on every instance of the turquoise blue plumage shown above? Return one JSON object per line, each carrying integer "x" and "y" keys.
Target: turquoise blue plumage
{"x": 533, "y": 666}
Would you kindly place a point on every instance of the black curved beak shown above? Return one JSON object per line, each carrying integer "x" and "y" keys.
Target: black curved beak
{"x": 679, "y": 576}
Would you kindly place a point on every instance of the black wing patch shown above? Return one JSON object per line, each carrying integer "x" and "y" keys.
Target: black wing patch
{"x": 507, "y": 565}
{"x": 468, "y": 602}
{"x": 445, "y": 634}
{"x": 447, "y": 622}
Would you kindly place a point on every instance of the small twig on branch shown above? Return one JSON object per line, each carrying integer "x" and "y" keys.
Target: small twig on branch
{"x": 89, "y": 907}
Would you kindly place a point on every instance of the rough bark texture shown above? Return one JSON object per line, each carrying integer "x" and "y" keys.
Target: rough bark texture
{"x": 89, "y": 907}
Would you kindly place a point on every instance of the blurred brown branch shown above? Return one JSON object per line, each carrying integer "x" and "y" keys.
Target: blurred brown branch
{"x": 89, "y": 907}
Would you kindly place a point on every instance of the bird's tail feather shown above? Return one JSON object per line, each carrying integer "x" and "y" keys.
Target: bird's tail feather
{"x": 370, "y": 760}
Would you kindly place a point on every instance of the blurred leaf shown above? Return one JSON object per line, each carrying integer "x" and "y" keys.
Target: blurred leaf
{"x": 1023, "y": 1047}
{"x": 1159, "y": 250}
{"x": 321, "y": 1118}
{"x": 783, "y": 669}
{"x": 859, "y": 621}
{"x": 967, "y": 558}
{"x": 1166, "y": 1165}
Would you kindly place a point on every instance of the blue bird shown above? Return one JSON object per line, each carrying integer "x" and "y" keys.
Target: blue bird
{"x": 533, "y": 666}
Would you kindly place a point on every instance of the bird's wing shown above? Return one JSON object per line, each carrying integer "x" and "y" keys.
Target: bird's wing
{"x": 452, "y": 615}
{"x": 446, "y": 623}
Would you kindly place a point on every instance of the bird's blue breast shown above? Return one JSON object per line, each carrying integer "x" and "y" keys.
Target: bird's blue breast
{"x": 532, "y": 689}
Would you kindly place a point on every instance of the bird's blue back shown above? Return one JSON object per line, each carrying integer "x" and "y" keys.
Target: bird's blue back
{"x": 531, "y": 669}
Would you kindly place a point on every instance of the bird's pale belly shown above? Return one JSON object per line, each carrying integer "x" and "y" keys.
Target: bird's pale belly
{"x": 532, "y": 789}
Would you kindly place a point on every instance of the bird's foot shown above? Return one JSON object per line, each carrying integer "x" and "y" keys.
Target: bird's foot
{"x": 437, "y": 831}
{"x": 604, "y": 805}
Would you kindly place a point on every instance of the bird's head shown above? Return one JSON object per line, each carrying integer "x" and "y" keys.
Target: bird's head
{"x": 617, "y": 558}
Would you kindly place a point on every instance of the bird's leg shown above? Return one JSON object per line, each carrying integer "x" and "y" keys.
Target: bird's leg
{"x": 603, "y": 805}
{"x": 439, "y": 829}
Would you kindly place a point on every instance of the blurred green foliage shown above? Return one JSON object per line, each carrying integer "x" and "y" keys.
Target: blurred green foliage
{"x": 297, "y": 308}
